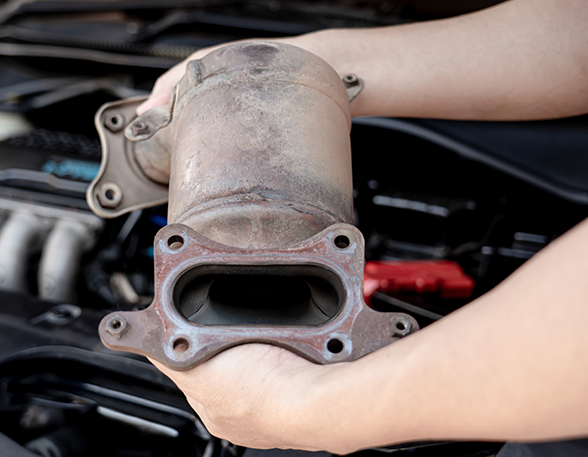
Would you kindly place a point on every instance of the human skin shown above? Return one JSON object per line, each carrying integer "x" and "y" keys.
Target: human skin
{"x": 523, "y": 59}
{"x": 509, "y": 366}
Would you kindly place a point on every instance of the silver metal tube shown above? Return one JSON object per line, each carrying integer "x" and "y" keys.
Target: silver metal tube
{"x": 19, "y": 237}
{"x": 60, "y": 260}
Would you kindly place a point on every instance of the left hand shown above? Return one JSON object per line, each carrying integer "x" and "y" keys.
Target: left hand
{"x": 255, "y": 395}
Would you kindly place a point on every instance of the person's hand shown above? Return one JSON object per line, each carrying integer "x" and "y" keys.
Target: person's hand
{"x": 165, "y": 84}
{"x": 258, "y": 396}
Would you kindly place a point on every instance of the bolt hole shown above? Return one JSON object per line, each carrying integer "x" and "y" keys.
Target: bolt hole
{"x": 334, "y": 345}
{"x": 109, "y": 195}
{"x": 401, "y": 326}
{"x": 116, "y": 324}
{"x": 181, "y": 345}
{"x": 175, "y": 242}
{"x": 342, "y": 242}
{"x": 114, "y": 120}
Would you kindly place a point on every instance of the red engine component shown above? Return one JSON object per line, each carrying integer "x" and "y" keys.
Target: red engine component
{"x": 421, "y": 276}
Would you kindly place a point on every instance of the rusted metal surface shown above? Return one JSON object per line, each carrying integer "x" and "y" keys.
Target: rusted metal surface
{"x": 261, "y": 157}
{"x": 162, "y": 332}
{"x": 260, "y": 246}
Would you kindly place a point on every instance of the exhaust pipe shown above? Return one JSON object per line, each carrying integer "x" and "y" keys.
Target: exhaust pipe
{"x": 254, "y": 153}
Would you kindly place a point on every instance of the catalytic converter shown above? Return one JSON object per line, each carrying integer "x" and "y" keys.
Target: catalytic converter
{"x": 253, "y": 154}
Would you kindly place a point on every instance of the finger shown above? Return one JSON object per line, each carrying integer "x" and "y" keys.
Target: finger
{"x": 163, "y": 87}
{"x": 198, "y": 408}
{"x": 186, "y": 381}
{"x": 171, "y": 374}
{"x": 155, "y": 99}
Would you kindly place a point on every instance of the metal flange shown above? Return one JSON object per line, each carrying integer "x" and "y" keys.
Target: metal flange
{"x": 165, "y": 332}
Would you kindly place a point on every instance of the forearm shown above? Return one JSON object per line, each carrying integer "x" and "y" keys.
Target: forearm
{"x": 510, "y": 366}
{"x": 523, "y": 59}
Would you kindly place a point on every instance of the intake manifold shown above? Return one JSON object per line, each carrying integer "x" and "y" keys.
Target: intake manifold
{"x": 254, "y": 149}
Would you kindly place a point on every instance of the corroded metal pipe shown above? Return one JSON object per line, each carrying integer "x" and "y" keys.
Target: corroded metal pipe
{"x": 262, "y": 157}
{"x": 255, "y": 148}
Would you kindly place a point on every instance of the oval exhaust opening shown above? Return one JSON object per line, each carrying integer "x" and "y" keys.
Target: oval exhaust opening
{"x": 258, "y": 295}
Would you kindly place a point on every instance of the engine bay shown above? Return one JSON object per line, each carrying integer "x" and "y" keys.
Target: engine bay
{"x": 448, "y": 210}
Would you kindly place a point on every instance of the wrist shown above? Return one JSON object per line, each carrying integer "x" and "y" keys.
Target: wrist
{"x": 303, "y": 410}
{"x": 324, "y": 418}
{"x": 361, "y": 404}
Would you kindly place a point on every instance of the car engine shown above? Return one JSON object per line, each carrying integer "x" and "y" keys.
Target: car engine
{"x": 447, "y": 209}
